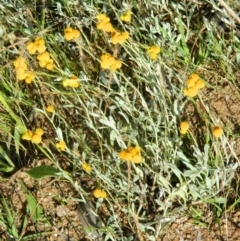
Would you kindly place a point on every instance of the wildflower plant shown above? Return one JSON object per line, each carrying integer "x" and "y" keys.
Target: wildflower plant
{"x": 109, "y": 89}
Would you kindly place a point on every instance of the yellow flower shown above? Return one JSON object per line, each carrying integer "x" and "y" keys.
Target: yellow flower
{"x": 119, "y": 38}
{"x": 194, "y": 83}
{"x": 191, "y": 92}
{"x": 98, "y": 193}
{"x": 86, "y": 167}
{"x": 27, "y": 136}
{"x": 61, "y": 145}
{"x": 31, "y": 48}
{"x": 20, "y": 63}
{"x": 131, "y": 154}
{"x": 71, "y": 34}
{"x": 116, "y": 65}
{"x": 109, "y": 62}
{"x": 192, "y": 80}
{"x": 126, "y": 17}
{"x": 45, "y": 56}
{"x": 35, "y": 137}
{"x": 20, "y": 68}
{"x": 21, "y": 74}
{"x": 37, "y": 46}
{"x": 184, "y": 126}
{"x": 73, "y": 82}
{"x": 200, "y": 84}
{"x": 217, "y": 131}
{"x": 39, "y": 131}
{"x": 153, "y": 52}
{"x": 50, "y": 109}
{"x": 104, "y": 23}
{"x": 29, "y": 77}
{"x": 45, "y": 61}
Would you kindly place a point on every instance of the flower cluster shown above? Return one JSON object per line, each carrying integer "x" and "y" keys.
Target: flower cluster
{"x": 37, "y": 46}
{"x": 73, "y": 82}
{"x": 104, "y": 23}
{"x": 43, "y": 57}
{"x": 98, "y": 193}
{"x": 22, "y": 71}
{"x": 86, "y": 167}
{"x": 153, "y": 52}
{"x": 184, "y": 126}
{"x": 217, "y": 131}
{"x": 119, "y": 38}
{"x": 71, "y": 34}
{"x": 45, "y": 61}
{"x": 194, "y": 84}
{"x": 35, "y": 137}
{"x": 109, "y": 62}
{"x": 61, "y": 145}
{"x": 132, "y": 154}
{"x": 126, "y": 17}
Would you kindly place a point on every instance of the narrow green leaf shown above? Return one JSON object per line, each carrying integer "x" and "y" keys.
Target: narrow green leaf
{"x": 33, "y": 208}
{"x": 36, "y": 236}
{"x": 9, "y": 218}
{"x": 42, "y": 172}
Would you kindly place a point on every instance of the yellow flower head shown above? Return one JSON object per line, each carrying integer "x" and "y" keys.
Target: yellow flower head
{"x": 45, "y": 61}
{"x": 71, "y": 34}
{"x": 98, "y": 193}
{"x": 192, "y": 81}
{"x": 104, "y": 23}
{"x": 131, "y": 154}
{"x": 119, "y": 38}
{"x": 109, "y": 62}
{"x": 21, "y": 74}
{"x": 126, "y": 17}
{"x": 200, "y": 84}
{"x": 153, "y": 52}
{"x": 217, "y": 131}
{"x": 45, "y": 56}
{"x": 73, "y": 82}
{"x": 184, "y": 126}
{"x": 49, "y": 64}
{"x": 86, "y": 167}
{"x": 27, "y": 136}
{"x": 102, "y": 16}
{"x": 20, "y": 68}
{"x": 191, "y": 92}
{"x": 20, "y": 63}
{"x": 39, "y": 131}
{"x": 29, "y": 77}
{"x": 61, "y": 145}
{"x": 116, "y": 65}
{"x": 35, "y": 137}
{"x": 50, "y": 109}
{"x": 37, "y": 46}
{"x": 195, "y": 81}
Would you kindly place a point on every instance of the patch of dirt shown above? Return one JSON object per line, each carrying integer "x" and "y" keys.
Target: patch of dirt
{"x": 54, "y": 197}
{"x": 184, "y": 229}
